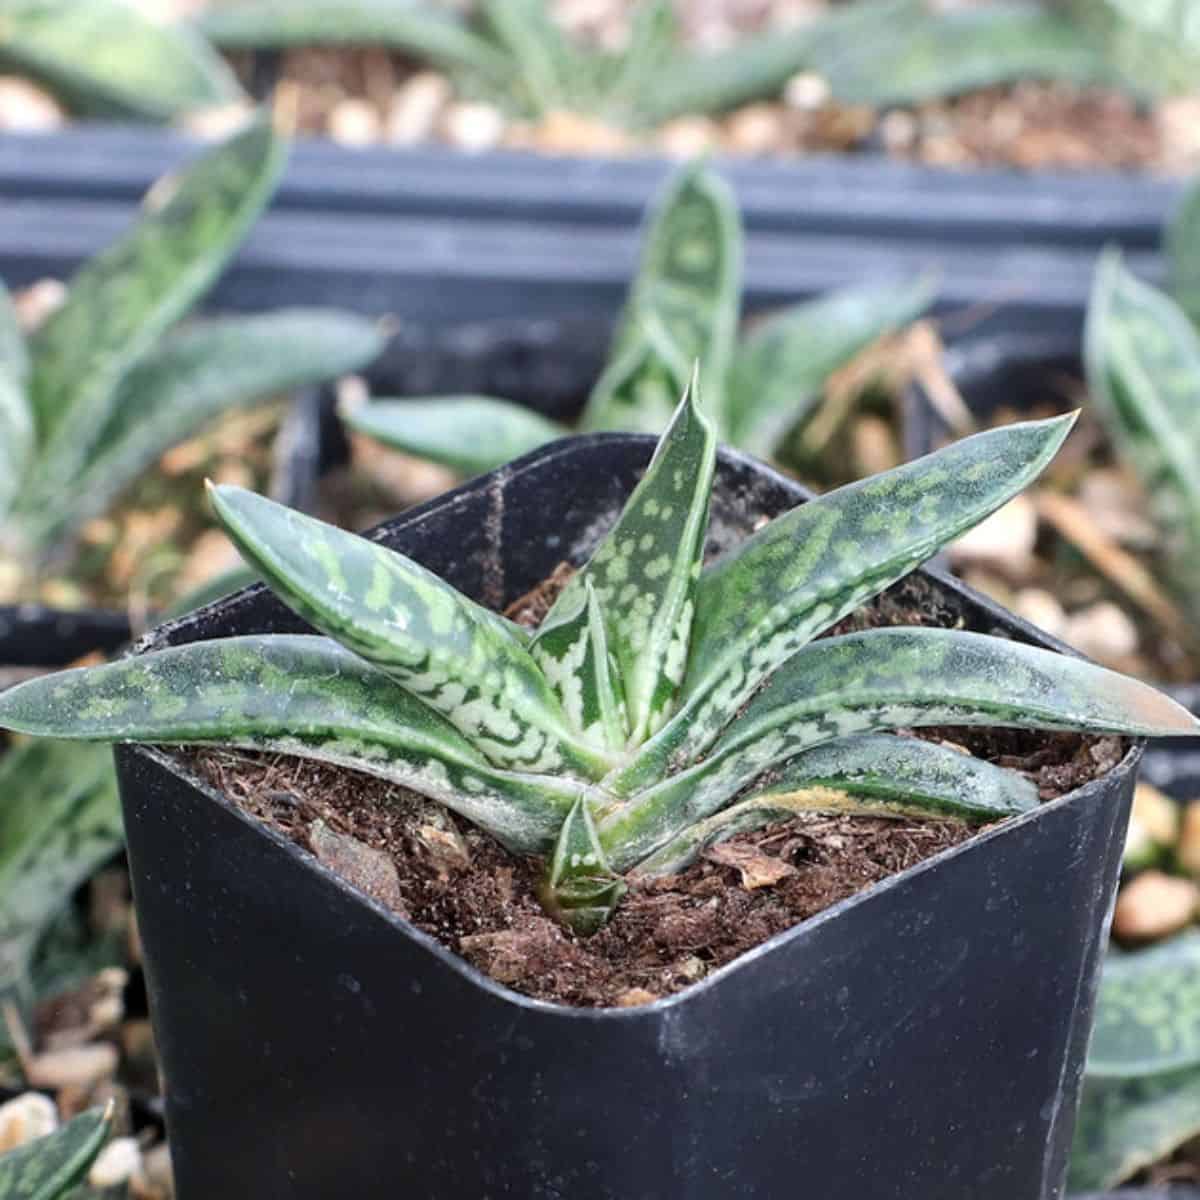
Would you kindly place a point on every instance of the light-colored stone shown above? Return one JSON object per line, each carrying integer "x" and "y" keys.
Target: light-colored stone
{"x": 473, "y": 127}
{"x": 1117, "y": 505}
{"x": 116, "y": 1164}
{"x": 77, "y": 1066}
{"x": 1153, "y": 828}
{"x": 755, "y": 129}
{"x": 1154, "y": 905}
{"x": 563, "y": 132}
{"x": 898, "y": 130}
{"x": 1004, "y": 541}
{"x": 1188, "y": 849}
{"x": 688, "y": 137}
{"x": 24, "y": 1118}
{"x": 36, "y": 302}
{"x": 370, "y": 870}
{"x": 1102, "y": 631}
{"x": 1042, "y": 609}
{"x": 806, "y": 91}
{"x": 416, "y": 104}
{"x": 26, "y": 108}
{"x": 355, "y": 122}
{"x": 219, "y": 121}
{"x": 875, "y": 446}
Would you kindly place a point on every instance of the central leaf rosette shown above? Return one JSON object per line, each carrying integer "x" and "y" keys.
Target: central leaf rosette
{"x": 661, "y": 705}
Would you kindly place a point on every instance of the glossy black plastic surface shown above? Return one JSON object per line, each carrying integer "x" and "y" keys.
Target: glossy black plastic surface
{"x": 921, "y": 1040}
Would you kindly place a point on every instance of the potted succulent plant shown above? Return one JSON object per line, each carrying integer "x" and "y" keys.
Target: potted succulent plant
{"x": 651, "y": 710}
{"x": 53, "y": 1167}
{"x": 106, "y": 384}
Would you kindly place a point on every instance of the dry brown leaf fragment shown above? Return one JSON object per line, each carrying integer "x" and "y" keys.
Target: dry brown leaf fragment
{"x": 756, "y": 868}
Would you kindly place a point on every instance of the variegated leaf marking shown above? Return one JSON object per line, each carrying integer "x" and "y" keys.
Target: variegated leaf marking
{"x": 571, "y": 648}
{"x": 890, "y": 679}
{"x": 645, "y": 571}
{"x": 807, "y": 569}
{"x": 458, "y": 657}
{"x": 294, "y": 694}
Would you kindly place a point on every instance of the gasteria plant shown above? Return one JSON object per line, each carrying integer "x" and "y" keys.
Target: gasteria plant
{"x": 105, "y": 385}
{"x": 660, "y": 706}
{"x": 1142, "y": 355}
{"x": 683, "y": 305}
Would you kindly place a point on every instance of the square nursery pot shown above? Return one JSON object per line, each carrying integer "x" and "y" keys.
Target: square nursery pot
{"x": 38, "y": 636}
{"x": 1024, "y": 371}
{"x": 923, "y": 1040}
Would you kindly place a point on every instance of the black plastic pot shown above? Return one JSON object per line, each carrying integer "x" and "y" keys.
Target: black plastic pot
{"x": 922, "y": 1039}
{"x": 1030, "y": 371}
{"x": 34, "y": 635}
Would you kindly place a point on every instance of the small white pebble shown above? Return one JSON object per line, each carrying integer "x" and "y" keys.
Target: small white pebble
{"x": 806, "y": 91}
{"x": 116, "y": 1163}
{"x": 472, "y": 127}
{"x": 355, "y": 123}
{"x": 24, "y": 1118}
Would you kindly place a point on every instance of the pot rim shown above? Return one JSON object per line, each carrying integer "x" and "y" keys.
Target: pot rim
{"x": 167, "y": 760}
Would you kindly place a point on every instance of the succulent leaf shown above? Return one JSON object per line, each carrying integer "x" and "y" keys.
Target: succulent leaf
{"x": 888, "y": 679}
{"x": 1148, "y": 1011}
{"x": 1154, "y": 47}
{"x": 1127, "y": 1124}
{"x": 196, "y": 374}
{"x": 572, "y": 652}
{"x": 690, "y": 279}
{"x": 50, "y": 1167}
{"x": 543, "y": 61}
{"x": 1182, "y": 247}
{"x": 1143, "y": 367}
{"x": 293, "y": 694}
{"x": 638, "y": 391}
{"x": 807, "y": 569}
{"x": 16, "y": 419}
{"x": 122, "y": 300}
{"x": 108, "y": 58}
{"x": 458, "y": 657}
{"x": 469, "y": 434}
{"x": 780, "y": 369}
{"x": 876, "y": 775}
{"x": 918, "y": 53}
{"x": 60, "y": 819}
{"x": 645, "y": 571}
{"x": 580, "y": 888}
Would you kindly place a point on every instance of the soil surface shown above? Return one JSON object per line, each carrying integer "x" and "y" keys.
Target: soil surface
{"x": 455, "y": 883}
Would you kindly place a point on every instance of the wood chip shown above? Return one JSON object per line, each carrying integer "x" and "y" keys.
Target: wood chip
{"x": 756, "y": 868}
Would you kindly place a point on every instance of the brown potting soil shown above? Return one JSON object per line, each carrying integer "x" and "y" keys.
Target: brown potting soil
{"x": 455, "y": 883}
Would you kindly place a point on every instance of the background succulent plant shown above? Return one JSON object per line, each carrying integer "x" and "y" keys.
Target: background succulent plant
{"x": 683, "y": 305}
{"x": 1142, "y": 354}
{"x": 52, "y": 1167}
{"x": 660, "y": 705}
{"x": 1141, "y": 1096}
{"x": 105, "y": 385}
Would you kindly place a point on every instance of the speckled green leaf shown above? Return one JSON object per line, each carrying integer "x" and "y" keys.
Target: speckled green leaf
{"x": 572, "y": 650}
{"x": 108, "y": 58}
{"x": 890, "y": 679}
{"x": 195, "y": 375}
{"x": 923, "y": 53}
{"x": 807, "y": 569}
{"x": 580, "y": 888}
{"x": 60, "y": 819}
{"x": 426, "y": 30}
{"x": 470, "y": 434}
{"x": 1148, "y": 1011}
{"x": 122, "y": 301}
{"x": 1127, "y": 1124}
{"x": 874, "y": 775}
{"x": 635, "y": 71}
{"x": 690, "y": 279}
{"x": 51, "y": 1167}
{"x": 461, "y": 659}
{"x": 1154, "y": 44}
{"x": 639, "y": 390}
{"x": 297, "y": 695}
{"x": 16, "y": 420}
{"x": 780, "y": 368}
{"x": 1181, "y": 240}
{"x": 645, "y": 571}
{"x": 1143, "y": 368}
